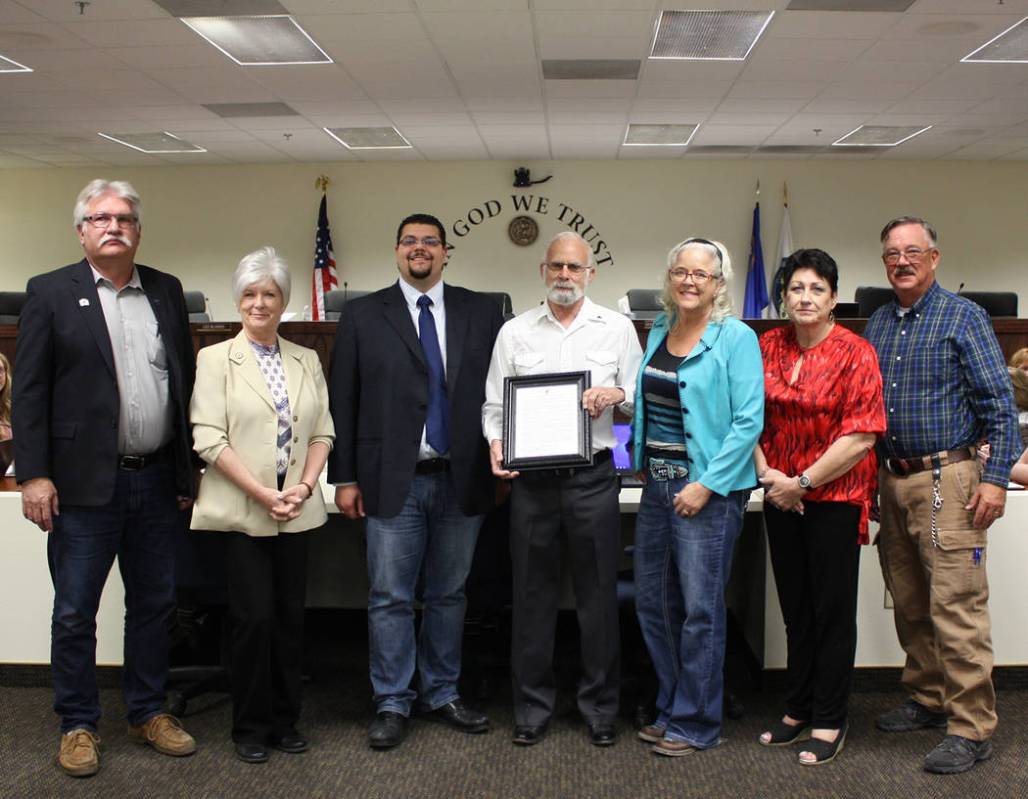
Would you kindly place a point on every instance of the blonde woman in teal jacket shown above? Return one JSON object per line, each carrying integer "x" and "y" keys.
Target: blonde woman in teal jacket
{"x": 699, "y": 410}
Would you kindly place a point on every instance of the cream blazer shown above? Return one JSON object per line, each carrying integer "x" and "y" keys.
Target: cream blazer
{"x": 232, "y": 406}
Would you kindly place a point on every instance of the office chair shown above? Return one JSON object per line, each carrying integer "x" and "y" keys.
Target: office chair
{"x": 337, "y": 298}
{"x": 196, "y": 306}
{"x": 644, "y": 303}
{"x": 10, "y": 306}
{"x": 870, "y": 298}
{"x": 995, "y": 303}
{"x": 506, "y": 306}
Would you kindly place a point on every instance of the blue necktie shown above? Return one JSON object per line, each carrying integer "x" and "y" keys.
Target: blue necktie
{"x": 437, "y": 427}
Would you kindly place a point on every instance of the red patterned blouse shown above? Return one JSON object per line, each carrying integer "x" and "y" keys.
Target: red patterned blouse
{"x": 838, "y": 391}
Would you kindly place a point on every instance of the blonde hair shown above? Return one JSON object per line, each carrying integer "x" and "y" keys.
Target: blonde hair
{"x": 718, "y": 253}
{"x": 1019, "y": 358}
{"x": 1019, "y": 380}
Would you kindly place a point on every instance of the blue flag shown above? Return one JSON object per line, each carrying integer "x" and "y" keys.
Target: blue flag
{"x": 756, "y": 282}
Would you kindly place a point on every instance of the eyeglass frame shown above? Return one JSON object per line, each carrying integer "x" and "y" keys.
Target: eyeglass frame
{"x": 556, "y": 267}
{"x": 893, "y": 258}
{"x": 123, "y": 220}
{"x": 692, "y": 273}
{"x": 424, "y": 241}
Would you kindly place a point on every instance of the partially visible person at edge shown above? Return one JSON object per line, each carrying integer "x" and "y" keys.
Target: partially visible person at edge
{"x": 945, "y": 388}
{"x": 103, "y": 375}
{"x": 5, "y": 398}
{"x": 822, "y": 414}
{"x": 261, "y": 423}
{"x": 699, "y": 406}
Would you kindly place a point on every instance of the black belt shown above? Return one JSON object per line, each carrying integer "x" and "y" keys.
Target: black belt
{"x": 903, "y": 467}
{"x": 599, "y": 458}
{"x": 432, "y": 466}
{"x": 134, "y": 463}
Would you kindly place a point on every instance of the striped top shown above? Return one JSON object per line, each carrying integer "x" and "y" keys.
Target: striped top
{"x": 665, "y": 434}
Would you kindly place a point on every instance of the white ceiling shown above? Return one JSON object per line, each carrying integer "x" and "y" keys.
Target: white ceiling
{"x": 462, "y": 79}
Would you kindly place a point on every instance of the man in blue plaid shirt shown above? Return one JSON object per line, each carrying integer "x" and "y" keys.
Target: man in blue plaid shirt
{"x": 946, "y": 389}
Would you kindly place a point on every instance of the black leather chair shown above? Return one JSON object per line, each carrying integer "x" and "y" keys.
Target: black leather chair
{"x": 644, "y": 303}
{"x": 870, "y": 298}
{"x": 995, "y": 303}
{"x": 10, "y": 306}
{"x": 335, "y": 300}
{"x": 503, "y": 298}
{"x": 196, "y": 306}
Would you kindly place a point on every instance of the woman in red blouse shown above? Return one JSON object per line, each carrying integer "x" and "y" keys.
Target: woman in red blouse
{"x": 822, "y": 414}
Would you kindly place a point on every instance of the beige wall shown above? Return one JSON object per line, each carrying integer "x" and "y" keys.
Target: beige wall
{"x": 200, "y": 220}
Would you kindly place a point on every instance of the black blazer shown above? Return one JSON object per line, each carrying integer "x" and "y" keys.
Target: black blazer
{"x": 66, "y": 405}
{"x": 378, "y": 388}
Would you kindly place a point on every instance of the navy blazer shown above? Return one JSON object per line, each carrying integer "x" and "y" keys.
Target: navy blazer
{"x": 378, "y": 389}
{"x": 66, "y": 404}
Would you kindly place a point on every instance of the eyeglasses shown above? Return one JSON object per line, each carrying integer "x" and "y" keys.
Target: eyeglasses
{"x": 559, "y": 266}
{"x": 413, "y": 241}
{"x": 912, "y": 254}
{"x": 103, "y": 221}
{"x": 699, "y": 277}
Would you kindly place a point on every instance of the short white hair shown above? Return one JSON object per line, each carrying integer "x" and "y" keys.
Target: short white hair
{"x": 98, "y": 188}
{"x": 258, "y": 266}
{"x": 718, "y": 255}
{"x": 570, "y": 235}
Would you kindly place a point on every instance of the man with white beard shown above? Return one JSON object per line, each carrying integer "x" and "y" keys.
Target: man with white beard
{"x": 573, "y": 511}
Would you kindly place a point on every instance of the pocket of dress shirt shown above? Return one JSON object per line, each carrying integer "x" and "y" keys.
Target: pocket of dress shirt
{"x": 155, "y": 350}
{"x": 603, "y": 364}
{"x": 529, "y": 363}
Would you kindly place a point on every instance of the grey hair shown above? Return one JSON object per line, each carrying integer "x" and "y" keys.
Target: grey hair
{"x": 722, "y": 299}
{"x": 98, "y": 188}
{"x": 570, "y": 235}
{"x": 929, "y": 230}
{"x": 258, "y": 266}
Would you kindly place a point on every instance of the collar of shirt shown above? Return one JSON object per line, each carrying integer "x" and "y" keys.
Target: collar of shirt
{"x": 134, "y": 281}
{"x": 922, "y": 304}
{"x": 589, "y": 312}
{"x": 412, "y": 295}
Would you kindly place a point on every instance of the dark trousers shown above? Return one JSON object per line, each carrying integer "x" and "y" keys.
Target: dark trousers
{"x": 577, "y": 517}
{"x": 267, "y": 586}
{"x": 138, "y": 526}
{"x": 816, "y": 560}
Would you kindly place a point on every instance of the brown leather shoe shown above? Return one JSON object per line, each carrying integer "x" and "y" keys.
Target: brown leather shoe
{"x": 670, "y": 748}
{"x": 80, "y": 753}
{"x": 165, "y": 734}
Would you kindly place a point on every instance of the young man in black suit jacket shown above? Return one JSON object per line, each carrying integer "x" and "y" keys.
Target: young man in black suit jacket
{"x": 102, "y": 380}
{"x": 406, "y": 388}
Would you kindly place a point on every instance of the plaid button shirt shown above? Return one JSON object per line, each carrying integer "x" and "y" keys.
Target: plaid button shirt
{"x": 944, "y": 381}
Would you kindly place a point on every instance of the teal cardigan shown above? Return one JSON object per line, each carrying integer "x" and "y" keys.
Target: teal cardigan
{"x": 721, "y": 394}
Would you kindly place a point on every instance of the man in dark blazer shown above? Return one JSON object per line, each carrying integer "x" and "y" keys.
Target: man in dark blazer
{"x": 406, "y": 388}
{"x": 102, "y": 380}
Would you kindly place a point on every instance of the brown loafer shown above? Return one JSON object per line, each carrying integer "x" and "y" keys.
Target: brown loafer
{"x": 651, "y": 733}
{"x": 80, "y": 753}
{"x": 670, "y": 748}
{"x": 165, "y": 734}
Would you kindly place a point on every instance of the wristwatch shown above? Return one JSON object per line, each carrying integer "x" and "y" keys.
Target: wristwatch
{"x": 804, "y": 482}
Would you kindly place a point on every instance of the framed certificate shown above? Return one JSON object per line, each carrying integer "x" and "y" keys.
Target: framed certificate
{"x": 544, "y": 423}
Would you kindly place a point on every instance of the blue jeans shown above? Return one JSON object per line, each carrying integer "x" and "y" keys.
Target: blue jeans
{"x": 140, "y": 526}
{"x": 681, "y": 568}
{"x": 423, "y": 552}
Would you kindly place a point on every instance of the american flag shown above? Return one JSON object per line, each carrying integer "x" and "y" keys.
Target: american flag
{"x": 324, "y": 278}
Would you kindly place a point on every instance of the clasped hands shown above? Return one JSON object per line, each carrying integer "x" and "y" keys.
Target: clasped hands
{"x": 284, "y": 506}
{"x": 782, "y": 491}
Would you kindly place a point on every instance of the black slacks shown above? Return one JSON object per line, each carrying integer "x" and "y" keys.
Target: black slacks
{"x": 816, "y": 560}
{"x": 577, "y": 517}
{"x": 267, "y": 585}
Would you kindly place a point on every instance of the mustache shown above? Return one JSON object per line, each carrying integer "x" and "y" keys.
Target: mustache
{"x": 903, "y": 271}
{"x": 116, "y": 237}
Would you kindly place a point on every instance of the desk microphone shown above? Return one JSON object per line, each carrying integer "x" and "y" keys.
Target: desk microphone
{"x": 345, "y": 290}
{"x": 960, "y": 288}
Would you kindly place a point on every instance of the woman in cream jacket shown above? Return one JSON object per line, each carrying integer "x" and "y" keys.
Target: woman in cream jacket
{"x": 261, "y": 422}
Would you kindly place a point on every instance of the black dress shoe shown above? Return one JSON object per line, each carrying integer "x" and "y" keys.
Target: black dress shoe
{"x": 603, "y": 734}
{"x": 387, "y": 730}
{"x": 251, "y": 753}
{"x": 526, "y": 735}
{"x": 291, "y": 742}
{"x": 460, "y": 717}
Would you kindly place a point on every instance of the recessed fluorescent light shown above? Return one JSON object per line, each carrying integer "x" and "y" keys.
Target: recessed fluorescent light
{"x": 162, "y": 142}
{"x": 7, "y": 65}
{"x": 246, "y": 110}
{"x": 708, "y": 35}
{"x": 260, "y": 40}
{"x": 1010, "y": 47}
{"x": 369, "y": 138}
{"x": 849, "y": 5}
{"x": 879, "y": 135}
{"x": 590, "y": 68}
{"x": 659, "y": 135}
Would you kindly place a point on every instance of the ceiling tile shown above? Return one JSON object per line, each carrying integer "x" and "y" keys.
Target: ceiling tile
{"x": 140, "y": 33}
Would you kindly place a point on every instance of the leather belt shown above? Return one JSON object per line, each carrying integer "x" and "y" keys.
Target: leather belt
{"x": 600, "y": 457}
{"x": 133, "y": 463}
{"x": 432, "y": 466}
{"x": 903, "y": 467}
{"x": 662, "y": 470}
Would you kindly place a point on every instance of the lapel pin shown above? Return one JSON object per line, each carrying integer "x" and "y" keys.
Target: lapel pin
{"x": 83, "y": 302}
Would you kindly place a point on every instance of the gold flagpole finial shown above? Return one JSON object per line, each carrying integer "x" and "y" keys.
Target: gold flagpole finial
{"x": 322, "y": 182}
{"x": 758, "y": 187}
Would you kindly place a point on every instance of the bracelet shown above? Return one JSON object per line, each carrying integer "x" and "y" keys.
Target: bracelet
{"x": 310, "y": 488}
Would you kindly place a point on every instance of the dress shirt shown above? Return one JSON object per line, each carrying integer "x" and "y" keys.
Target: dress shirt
{"x": 721, "y": 394}
{"x": 141, "y": 363}
{"x": 438, "y": 309}
{"x": 534, "y": 342}
{"x": 944, "y": 381}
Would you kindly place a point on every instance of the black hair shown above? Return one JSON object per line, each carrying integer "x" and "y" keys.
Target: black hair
{"x": 422, "y": 219}
{"x": 821, "y": 262}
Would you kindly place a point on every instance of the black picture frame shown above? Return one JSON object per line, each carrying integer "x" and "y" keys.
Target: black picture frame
{"x": 581, "y": 456}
